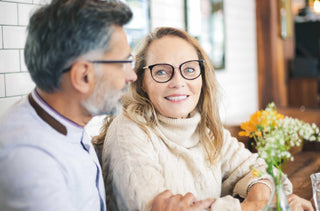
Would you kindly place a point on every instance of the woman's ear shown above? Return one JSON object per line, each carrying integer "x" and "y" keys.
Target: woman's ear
{"x": 82, "y": 76}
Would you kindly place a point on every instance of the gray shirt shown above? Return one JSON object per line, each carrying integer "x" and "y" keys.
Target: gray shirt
{"x": 47, "y": 162}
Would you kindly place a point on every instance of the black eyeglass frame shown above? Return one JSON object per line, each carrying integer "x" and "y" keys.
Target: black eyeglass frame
{"x": 195, "y": 60}
{"x": 105, "y": 62}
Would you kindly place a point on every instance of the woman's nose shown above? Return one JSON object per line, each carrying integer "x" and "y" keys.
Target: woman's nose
{"x": 177, "y": 79}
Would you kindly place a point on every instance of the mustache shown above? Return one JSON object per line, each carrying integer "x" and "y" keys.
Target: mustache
{"x": 125, "y": 89}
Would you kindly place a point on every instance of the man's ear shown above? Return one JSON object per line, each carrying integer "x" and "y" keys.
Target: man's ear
{"x": 82, "y": 76}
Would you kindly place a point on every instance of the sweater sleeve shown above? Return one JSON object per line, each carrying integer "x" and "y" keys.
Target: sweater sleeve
{"x": 131, "y": 168}
{"x": 237, "y": 163}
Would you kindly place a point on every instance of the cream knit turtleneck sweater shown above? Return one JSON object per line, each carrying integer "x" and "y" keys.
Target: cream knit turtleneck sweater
{"x": 136, "y": 167}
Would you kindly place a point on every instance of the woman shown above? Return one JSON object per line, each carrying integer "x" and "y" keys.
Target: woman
{"x": 170, "y": 135}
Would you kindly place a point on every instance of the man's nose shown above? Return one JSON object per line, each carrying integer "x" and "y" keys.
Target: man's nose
{"x": 131, "y": 76}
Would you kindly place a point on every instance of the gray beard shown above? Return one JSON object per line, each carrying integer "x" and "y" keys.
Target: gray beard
{"x": 104, "y": 101}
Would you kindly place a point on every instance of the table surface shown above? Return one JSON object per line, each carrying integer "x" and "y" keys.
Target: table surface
{"x": 305, "y": 163}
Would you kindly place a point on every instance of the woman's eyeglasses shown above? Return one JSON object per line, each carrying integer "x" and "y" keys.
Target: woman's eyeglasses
{"x": 164, "y": 72}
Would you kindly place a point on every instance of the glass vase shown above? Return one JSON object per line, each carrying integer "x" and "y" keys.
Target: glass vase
{"x": 278, "y": 200}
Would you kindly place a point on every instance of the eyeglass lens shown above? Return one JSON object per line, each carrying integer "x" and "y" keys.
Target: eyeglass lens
{"x": 163, "y": 72}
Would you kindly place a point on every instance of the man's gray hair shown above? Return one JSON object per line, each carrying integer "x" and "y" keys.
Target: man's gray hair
{"x": 64, "y": 30}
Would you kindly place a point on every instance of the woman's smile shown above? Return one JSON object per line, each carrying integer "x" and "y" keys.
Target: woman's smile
{"x": 177, "y": 98}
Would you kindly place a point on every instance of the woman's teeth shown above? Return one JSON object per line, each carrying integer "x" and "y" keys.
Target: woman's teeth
{"x": 176, "y": 98}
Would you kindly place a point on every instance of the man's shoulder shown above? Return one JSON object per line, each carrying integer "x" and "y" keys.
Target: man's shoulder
{"x": 16, "y": 112}
{"x": 21, "y": 125}
{"x": 16, "y": 116}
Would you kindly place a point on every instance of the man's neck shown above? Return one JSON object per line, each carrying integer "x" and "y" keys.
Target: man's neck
{"x": 67, "y": 105}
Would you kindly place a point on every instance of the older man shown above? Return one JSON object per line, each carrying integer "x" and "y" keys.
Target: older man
{"x": 79, "y": 58}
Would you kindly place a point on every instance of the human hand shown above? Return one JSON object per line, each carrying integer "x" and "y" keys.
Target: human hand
{"x": 297, "y": 203}
{"x": 166, "y": 201}
{"x": 248, "y": 205}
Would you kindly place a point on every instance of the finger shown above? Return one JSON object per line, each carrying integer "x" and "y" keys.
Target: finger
{"x": 165, "y": 194}
{"x": 295, "y": 206}
{"x": 300, "y": 202}
{"x": 306, "y": 205}
{"x": 203, "y": 204}
{"x": 189, "y": 198}
{"x": 292, "y": 197}
{"x": 161, "y": 199}
{"x": 175, "y": 199}
{"x": 174, "y": 202}
{"x": 177, "y": 196}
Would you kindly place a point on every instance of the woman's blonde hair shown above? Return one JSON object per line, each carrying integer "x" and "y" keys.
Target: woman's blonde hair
{"x": 137, "y": 106}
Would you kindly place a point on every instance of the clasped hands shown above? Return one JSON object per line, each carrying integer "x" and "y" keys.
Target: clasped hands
{"x": 256, "y": 199}
{"x": 166, "y": 201}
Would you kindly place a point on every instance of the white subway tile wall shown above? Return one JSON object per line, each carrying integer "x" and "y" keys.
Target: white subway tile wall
{"x": 25, "y": 10}
{"x": 15, "y": 81}
{"x": 2, "y": 86}
{"x": 1, "y": 43}
{"x": 9, "y": 61}
{"x": 8, "y": 13}
{"x": 23, "y": 66}
{"x": 23, "y": 80}
{"x": 14, "y": 37}
{"x": 41, "y": 2}
{"x": 238, "y": 80}
{"x": 21, "y": 1}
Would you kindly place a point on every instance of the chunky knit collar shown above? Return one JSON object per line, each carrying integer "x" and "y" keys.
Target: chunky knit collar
{"x": 182, "y": 132}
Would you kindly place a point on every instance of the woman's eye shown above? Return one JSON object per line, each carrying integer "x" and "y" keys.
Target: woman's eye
{"x": 161, "y": 72}
{"x": 189, "y": 70}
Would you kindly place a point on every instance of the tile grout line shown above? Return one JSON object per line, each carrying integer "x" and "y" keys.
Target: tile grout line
{"x": 2, "y": 41}
{"x": 17, "y": 2}
{"x": 18, "y": 14}
{"x": 5, "y": 85}
{"x": 20, "y": 61}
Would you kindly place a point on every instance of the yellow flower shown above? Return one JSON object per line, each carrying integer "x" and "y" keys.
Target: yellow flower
{"x": 256, "y": 173}
{"x": 252, "y": 127}
{"x": 279, "y": 116}
{"x": 260, "y": 122}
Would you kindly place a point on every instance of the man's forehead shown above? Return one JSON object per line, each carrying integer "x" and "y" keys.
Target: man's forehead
{"x": 119, "y": 43}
